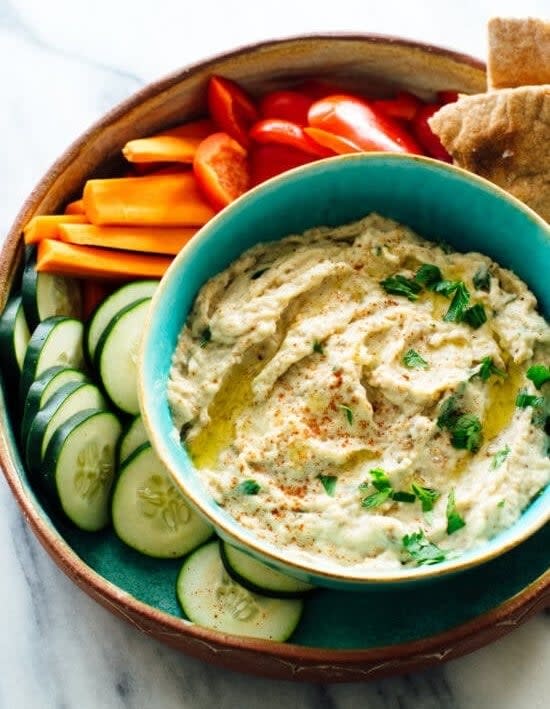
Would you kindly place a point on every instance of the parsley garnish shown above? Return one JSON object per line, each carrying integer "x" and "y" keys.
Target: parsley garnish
{"x": 329, "y": 483}
{"x": 349, "y": 413}
{"x": 449, "y": 412}
{"x": 427, "y": 496}
{"x": 384, "y": 488}
{"x": 446, "y": 288}
{"x": 523, "y": 400}
{"x": 381, "y": 480}
{"x": 376, "y": 499}
{"x": 475, "y": 316}
{"x": 499, "y": 458}
{"x": 248, "y": 487}
{"x": 466, "y": 433}
{"x": 403, "y": 496}
{"x": 486, "y": 369}
{"x": 482, "y": 279}
{"x": 428, "y": 274}
{"x": 421, "y": 549}
{"x": 206, "y": 336}
{"x": 400, "y": 285}
{"x": 318, "y": 347}
{"x": 459, "y": 302}
{"x": 413, "y": 360}
{"x": 501, "y": 504}
{"x": 259, "y": 273}
{"x": 454, "y": 520}
{"x": 539, "y": 374}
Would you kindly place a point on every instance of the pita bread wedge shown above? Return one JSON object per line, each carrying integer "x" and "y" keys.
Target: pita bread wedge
{"x": 503, "y": 136}
{"x": 519, "y": 52}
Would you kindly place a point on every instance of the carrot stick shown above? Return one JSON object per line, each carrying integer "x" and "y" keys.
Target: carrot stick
{"x": 45, "y": 226}
{"x": 89, "y": 262}
{"x": 165, "y": 200}
{"x": 76, "y": 207}
{"x": 152, "y": 240}
{"x": 162, "y": 148}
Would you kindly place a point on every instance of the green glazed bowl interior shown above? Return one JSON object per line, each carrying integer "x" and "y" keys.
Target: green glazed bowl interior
{"x": 438, "y": 201}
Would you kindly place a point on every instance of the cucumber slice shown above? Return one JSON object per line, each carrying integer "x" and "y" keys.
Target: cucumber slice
{"x": 150, "y": 514}
{"x": 79, "y": 466}
{"x": 42, "y": 389}
{"x": 210, "y": 597}
{"x": 14, "y": 338}
{"x": 46, "y": 294}
{"x": 57, "y": 340}
{"x": 258, "y": 577}
{"x": 106, "y": 311}
{"x": 69, "y": 400}
{"x": 132, "y": 438}
{"x": 117, "y": 353}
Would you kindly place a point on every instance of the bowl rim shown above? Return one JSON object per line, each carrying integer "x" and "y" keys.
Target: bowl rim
{"x": 247, "y": 539}
{"x": 287, "y": 659}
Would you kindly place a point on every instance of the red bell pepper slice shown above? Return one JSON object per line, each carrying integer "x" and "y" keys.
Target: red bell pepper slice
{"x": 269, "y": 160}
{"x": 368, "y": 128}
{"x": 444, "y": 97}
{"x": 221, "y": 169}
{"x": 231, "y": 108}
{"x": 288, "y": 105}
{"x": 425, "y": 136}
{"x": 275, "y": 130}
{"x": 404, "y": 106}
{"x": 339, "y": 145}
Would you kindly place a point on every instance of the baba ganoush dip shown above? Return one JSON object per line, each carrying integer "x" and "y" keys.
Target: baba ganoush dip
{"x": 362, "y": 396}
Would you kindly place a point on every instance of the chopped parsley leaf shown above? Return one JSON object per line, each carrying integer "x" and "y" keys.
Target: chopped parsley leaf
{"x": 413, "y": 360}
{"x": 376, "y": 499}
{"x": 523, "y": 400}
{"x": 248, "y": 487}
{"x": 449, "y": 412}
{"x": 206, "y": 336}
{"x": 329, "y": 483}
{"x": 349, "y": 413}
{"x": 428, "y": 274}
{"x": 475, "y": 316}
{"x": 501, "y": 504}
{"x": 318, "y": 347}
{"x": 482, "y": 279}
{"x": 539, "y": 374}
{"x": 466, "y": 433}
{"x": 459, "y": 302}
{"x": 454, "y": 520}
{"x": 427, "y": 496}
{"x": 421, "y": 549}
{"x": 259, "y": 273}
{"x": 400, "y": 285}
{"x": 403, "y": 496}
{"x": 446, "y": 288}
{"x": 486, "y": 369}
{"x": 499, "y": 457}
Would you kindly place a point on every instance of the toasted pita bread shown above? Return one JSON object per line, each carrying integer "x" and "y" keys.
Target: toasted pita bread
{"x": 503, "y": 136}
{"x": 519, "y": 52}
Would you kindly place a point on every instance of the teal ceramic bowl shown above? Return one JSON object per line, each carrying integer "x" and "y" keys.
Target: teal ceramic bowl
{"x": 438, "y": 201}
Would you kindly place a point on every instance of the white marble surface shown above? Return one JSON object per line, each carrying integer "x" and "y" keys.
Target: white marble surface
{"x": 63, "y": 63}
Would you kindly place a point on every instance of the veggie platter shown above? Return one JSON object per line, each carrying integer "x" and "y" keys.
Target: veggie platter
{"x": 97, "y": 233}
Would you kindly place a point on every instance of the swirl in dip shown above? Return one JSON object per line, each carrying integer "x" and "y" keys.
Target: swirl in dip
{"x": 365, "y": 396}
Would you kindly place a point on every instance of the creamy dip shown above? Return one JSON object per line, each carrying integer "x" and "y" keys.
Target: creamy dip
{"x": 346, "y": 414}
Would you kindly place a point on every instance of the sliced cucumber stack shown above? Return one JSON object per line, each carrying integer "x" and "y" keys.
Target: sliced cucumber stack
{"x": 56, "y": 341}
{"x": 111, "y": 306}
{"x": 117, "y": 353}
{"x": 258, "y": 577}
{"x": 14, "y": 338}
{"x": 46, "y": 294}
{"x": 131, "y": 439}
{"x": 67, "y": 401}
{"x": 42, "y": 389}
{"x": 79, "y": 466}
{"x": 210, "y": 597}
{"x": 149, "y": 513}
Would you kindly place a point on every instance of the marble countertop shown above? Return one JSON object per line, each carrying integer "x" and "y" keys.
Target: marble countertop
{"x": 63, "y": 64}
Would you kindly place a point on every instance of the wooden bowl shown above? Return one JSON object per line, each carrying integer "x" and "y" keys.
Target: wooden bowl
{"x": 371, "y": 63}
